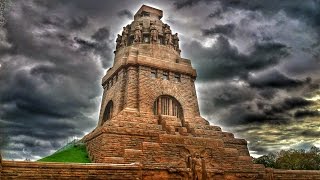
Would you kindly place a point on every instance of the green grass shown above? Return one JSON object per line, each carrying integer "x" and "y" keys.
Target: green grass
{"x": 73, "y": 154}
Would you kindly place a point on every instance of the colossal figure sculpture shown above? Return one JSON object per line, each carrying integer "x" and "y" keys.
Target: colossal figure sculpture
{"x": 150, "y": 115}
{"x": 137, "y": 34}
{"x": 124, "y": 40}
{"x": 118, "y": 41}
{"x": 176, "y": 42}
{"x": 154, "y": 33}
{"x": 168, "y": 35}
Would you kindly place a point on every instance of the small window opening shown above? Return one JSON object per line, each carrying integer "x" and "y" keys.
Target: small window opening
{"x": 153, "y": 73}
{"x": 165, "y": 76}
{"x": 146, "y": 14}
{"x": 177, "y": 77}
{"x": 146, "y": 39}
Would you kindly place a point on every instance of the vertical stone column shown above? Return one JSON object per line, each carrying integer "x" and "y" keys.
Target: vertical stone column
{"x": 132, "y": 88}
{"x": 170, "y": 107}
{"x": 159, "y": 106}
{"x": 195, "y": 99}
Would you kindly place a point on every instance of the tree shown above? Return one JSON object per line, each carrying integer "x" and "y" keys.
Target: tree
{"x": 292, "y": 159}
{"x": 268, "y": 160}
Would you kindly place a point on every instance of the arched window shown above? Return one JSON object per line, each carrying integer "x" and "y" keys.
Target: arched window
{"x": 108, "y": 112}
{"x": 167, "y": 105}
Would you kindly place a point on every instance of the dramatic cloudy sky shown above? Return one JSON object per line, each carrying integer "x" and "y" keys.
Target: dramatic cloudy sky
{"x": 258, "y": 66}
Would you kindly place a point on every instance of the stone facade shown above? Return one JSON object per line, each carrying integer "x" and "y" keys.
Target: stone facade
{"x": 150, "y": 115}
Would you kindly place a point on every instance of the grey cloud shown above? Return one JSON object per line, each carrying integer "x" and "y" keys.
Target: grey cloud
{"x": 49, "y": 87}
{"x": 222, "y": 60}
{"x": 125, "y": 13}
{"x": 215, "y": 14}
{"x": 274, "y": 79}
{"x": 290, "y": 103}
{"x": 306, "y": 113}
{"x": 243, "y": 114}
{"x": 226, "y": 29}
{"x": 102, "y": 34}
{"x": 179, "y": 4}
{"x": 227, "y": 95}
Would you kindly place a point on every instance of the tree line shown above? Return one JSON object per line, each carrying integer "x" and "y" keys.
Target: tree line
{"x": 292, "y": 159}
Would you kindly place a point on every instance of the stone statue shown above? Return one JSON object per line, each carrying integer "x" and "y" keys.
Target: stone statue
{"x": 197, "y": 167}
{"x": 124, "y": 40}
{"x": 153, "y": 33}
{"x": 138, "y": 34}
{"x": 118, "y": 41}
{"x": 176, "y": 41}
{"x": 168, "y": 36}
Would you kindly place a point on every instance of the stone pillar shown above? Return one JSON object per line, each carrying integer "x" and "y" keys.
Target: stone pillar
{"x": 159, "y": 106}
{"x": 132, "y": 88}
{"x": 170, "y": 107}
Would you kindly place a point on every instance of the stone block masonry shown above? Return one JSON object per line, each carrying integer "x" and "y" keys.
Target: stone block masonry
{"x": 34, "y": 170}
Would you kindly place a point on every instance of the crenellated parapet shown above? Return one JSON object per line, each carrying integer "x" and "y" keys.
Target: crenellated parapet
{"x": 147, "y": 28}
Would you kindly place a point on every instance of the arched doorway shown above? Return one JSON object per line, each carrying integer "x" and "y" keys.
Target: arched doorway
{"x": 167, "y": 105}
{"x": 108, "y": 112}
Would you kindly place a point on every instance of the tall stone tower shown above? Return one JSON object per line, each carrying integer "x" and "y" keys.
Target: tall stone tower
{"x": 150, "y": 115}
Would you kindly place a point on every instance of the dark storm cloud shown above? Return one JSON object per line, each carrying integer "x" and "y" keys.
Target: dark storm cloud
{"x": 243, "y": 114}
{"x": 274, "y": 79}
{"x": 268, "y": 93}
{"x": 251, "y": 111}
{"x": 50, "y": 80}
{"x": 226, "y": 29}
{"x": 306, "y": 113}
{"x": 185, "y": 3}
{"x": 306, "y": 10}
{"x": 215, "y": 14}
{"x": 101, "y": 35}
{"x": 263, "y": 48}
{"x": 222, "y": 60}
{"x": 125, "y": 13}
{"x": 310, "y": 133}
{"x": 291, "y": 103}
{"x": 227, "y": 95}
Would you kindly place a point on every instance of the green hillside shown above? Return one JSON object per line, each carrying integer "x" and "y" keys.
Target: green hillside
{"x": 75, "y": 153}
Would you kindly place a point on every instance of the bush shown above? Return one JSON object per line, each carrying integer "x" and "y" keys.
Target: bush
{"x": 292, "y": 159}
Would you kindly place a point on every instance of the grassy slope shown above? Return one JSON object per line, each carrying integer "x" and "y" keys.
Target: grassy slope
{"x": 76, "y": 153}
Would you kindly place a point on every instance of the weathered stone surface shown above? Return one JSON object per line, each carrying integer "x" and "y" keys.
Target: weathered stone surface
{"x": 33, "y": 170}
{"x": 155, "y": 117}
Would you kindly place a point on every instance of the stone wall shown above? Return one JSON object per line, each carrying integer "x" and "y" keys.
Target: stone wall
{"x": 279, "y": 174}
{"x": 35, "y": 170}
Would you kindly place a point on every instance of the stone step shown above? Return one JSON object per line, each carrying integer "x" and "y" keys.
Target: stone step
{"x": 149, "y": 120}
{"x": 132, "y": 131}
{"x": 204, "y": 127}
{"x": 206, "y": 133}
{"x": 190, "y": 140}
{"x": 114, "y": 160}
{"x": 138, "y": 125}
{"x": 133, "y": 155}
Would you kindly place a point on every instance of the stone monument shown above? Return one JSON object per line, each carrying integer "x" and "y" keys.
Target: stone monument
{"x": 150, "y": 115}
